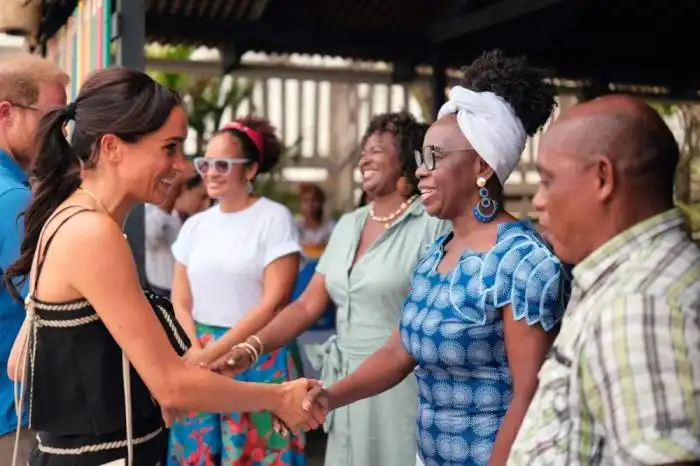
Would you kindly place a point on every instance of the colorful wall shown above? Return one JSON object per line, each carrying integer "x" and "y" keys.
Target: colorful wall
{"x": 83, "y": 45}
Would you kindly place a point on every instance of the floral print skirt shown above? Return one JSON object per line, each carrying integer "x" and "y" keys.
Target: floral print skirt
{"x": 238, "y": 439}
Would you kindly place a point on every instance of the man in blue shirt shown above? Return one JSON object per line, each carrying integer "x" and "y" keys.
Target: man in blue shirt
{"x": 29, "y": 86}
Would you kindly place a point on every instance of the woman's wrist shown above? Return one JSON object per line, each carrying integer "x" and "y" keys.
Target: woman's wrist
{"x": 332, "y": 397}
{"x": 275, "y": 394}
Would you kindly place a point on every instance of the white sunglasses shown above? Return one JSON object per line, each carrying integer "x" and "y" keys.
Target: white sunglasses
{"x": 221, "y": 165}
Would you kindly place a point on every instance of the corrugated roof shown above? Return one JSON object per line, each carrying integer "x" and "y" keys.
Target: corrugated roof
{"x": 646, "y": 41}
{"x": 366, "y": 29}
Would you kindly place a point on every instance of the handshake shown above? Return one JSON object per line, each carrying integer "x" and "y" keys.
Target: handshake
{"x": 302, "y": 403}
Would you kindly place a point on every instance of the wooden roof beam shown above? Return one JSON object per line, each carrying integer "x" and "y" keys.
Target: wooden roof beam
{"x": 232, "y": 52}
{"x": 264, "y": 35}
{"x": 484, "y": 18}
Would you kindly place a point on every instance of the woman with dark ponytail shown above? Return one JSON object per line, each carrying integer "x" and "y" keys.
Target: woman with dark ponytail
{"x": 88, "y": 321}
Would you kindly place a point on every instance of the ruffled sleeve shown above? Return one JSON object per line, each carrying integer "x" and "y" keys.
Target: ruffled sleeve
{"x": 522, "y": 271}
{"x": 531, "y": 279}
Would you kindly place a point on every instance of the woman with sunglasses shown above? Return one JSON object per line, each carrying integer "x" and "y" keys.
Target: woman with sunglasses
{"x": 236, "y": 264}
{"x": 487, "y": 298}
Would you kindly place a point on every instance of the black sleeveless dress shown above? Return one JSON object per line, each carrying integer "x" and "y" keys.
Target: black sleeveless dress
{"x": 75, "y": 385}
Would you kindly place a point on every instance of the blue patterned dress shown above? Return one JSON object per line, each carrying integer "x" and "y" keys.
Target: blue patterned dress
{"x": 452, "y": 324}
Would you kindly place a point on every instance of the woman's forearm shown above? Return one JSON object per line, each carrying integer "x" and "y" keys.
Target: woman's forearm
{"x": 195, "y": 389}
{"x": 294, "y": 320}
{"x": 509, "y": 429}
{"x": 252, "y": 323}
{"x": 386, "y": 368}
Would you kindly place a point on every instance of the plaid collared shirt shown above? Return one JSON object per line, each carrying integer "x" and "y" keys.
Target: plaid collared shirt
{"x": 622, "y": 383}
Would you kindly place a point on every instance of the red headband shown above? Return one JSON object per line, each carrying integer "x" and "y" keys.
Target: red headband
{"x": 255, "y": 137}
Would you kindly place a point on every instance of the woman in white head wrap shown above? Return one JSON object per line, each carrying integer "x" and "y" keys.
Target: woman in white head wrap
{"x": 500, "y": 291}
{"x": 486, "y": 298}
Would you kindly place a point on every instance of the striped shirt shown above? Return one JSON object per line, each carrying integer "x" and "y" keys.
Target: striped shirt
{"x": 622, "y": 383}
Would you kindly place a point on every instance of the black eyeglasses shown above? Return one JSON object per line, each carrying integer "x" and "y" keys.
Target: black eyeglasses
{"x": 429, "y": 154}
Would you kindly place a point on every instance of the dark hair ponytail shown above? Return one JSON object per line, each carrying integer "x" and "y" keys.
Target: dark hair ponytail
{"x": 56, "y": 175}
{"x": 119, "y": 101}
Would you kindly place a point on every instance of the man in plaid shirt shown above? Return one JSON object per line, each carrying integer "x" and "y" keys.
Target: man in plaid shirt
{"x": 622, "y": 384}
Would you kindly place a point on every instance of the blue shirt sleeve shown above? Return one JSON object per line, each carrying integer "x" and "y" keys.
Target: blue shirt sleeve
{"x": 12, "y": 203}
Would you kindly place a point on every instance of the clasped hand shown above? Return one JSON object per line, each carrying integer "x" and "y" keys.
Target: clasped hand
{"x": 303, "y": 403}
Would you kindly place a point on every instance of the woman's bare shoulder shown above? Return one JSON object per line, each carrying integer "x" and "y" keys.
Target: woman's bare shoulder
{"x": 73, "y": 243}
{"x": 82, "y": 227}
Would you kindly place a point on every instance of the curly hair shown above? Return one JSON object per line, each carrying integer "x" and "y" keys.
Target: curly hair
{"x": 272, "y": 146}
{"x": 516, "y": 82}
{"x": 409, "y": 135}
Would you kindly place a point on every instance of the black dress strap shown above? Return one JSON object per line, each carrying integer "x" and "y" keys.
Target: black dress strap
{"x": 41, "y": 252}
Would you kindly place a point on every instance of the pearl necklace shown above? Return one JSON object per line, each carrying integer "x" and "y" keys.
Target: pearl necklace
{"x": 389, "y": 219}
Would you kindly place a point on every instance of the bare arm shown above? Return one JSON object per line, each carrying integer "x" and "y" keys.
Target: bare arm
{"x": 526, "y": 349}
{"x": 278, "y": 283}
{"x": 287, "y": 325}
{"x": 129, "y": 318}
{"x": 297, "y": 316}
{"x": 384, "y": 369}
{"x": 182, "y": 303}
{"x": 13, "y": 364}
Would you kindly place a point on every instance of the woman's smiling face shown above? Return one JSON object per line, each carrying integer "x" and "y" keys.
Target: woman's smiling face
{"x": 380, "y": 165}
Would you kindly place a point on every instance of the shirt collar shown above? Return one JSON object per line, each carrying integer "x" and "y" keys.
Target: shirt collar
{"x": 595, "y": 265}
{"x": 10, "y": 166}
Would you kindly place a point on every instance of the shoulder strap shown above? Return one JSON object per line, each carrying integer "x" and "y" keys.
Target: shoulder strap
{"x": 41, "y": 252}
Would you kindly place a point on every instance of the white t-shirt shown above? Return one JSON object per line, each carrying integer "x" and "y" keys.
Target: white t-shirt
{"x": 162, "y": 229}
{"x": 313, "y": 242}
{"x": 226, "y": 254}
{"x": 320, "y": 235}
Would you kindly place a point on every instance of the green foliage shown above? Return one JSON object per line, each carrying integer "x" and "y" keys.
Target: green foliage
{"x": 176, "y": 81}
{"x": 206, "y": 104}
{"x": 688, "y": 172}
{"x": 665, "y": 108}
{"x": 424, "y": 98}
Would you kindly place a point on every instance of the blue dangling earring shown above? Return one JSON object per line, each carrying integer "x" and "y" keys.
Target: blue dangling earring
{"x": 249, "y": 187}
{"x": 486, "y": 209}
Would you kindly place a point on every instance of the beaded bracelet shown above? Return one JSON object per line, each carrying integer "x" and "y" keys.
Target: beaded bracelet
{"x": 258, "y": 341}
{"x": 251, "y": 350}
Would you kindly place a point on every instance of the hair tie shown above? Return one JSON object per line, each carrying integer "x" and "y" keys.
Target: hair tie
{"x": 70, "y": 111}
{"x": 254, "y": 136}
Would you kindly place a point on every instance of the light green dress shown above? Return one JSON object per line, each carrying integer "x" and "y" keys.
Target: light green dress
{"x": 379, "y": 431}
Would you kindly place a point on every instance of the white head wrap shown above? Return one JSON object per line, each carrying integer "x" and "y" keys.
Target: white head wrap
{"x": 490, "y": 125}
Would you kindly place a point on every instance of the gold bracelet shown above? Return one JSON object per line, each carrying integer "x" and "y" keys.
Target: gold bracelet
{"x": 248, "y": 348}
{"x": 251, "y": 349}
